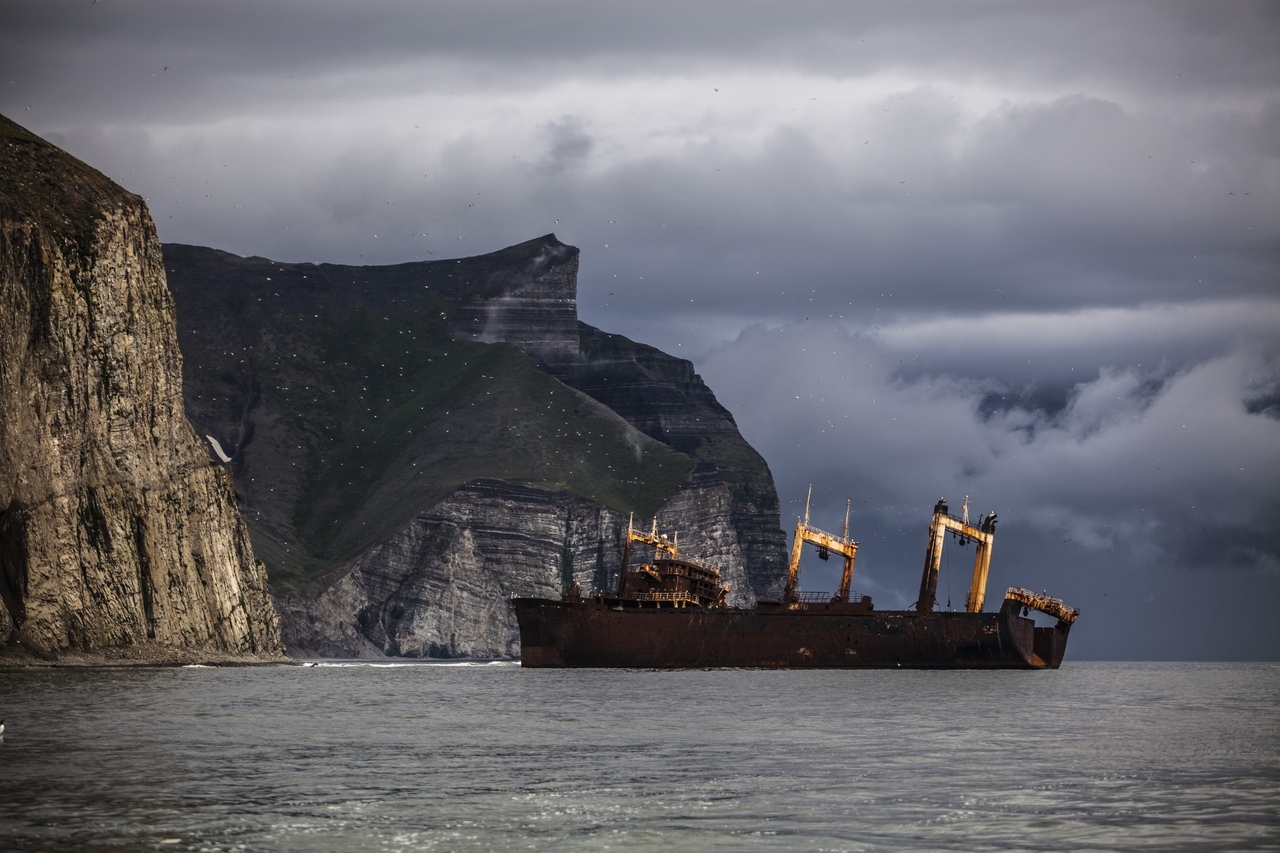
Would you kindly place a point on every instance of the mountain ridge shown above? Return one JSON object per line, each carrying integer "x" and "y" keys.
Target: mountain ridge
{"x": 354, "y": 400}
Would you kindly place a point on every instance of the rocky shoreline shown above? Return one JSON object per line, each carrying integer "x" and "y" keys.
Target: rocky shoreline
{"x": 144, "y": 654}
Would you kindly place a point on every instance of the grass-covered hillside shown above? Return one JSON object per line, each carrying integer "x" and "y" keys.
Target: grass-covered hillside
{"x": 347, "y": 406}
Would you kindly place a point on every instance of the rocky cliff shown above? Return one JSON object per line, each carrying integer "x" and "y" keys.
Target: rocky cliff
{"x": 117, "y": 531}
{"x": 439, "y": 586}
{"x": 390, "y": 426}
{"x": 665, "y": 399}
{"x": 660, "y": 395}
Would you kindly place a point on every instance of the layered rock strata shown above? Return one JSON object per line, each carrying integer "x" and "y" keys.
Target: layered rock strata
{"x": 658, "y": 394}
{"x": 358, "y": 407}
{"x": 535, "y": 308}
{"x": 439, "y": 586}
{"x": 116, "y": 528}
{"x": 663, "y": 397}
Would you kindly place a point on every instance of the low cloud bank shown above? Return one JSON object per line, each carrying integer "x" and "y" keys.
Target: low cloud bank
{"x": 1171, "y": 463}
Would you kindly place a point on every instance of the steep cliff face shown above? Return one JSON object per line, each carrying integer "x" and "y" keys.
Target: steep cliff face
{"x": 535, "y": 306}
{"x": 658, "y": 394}
{"x": 358, "y": 407}
{"x": 439, "y": 586}
{"x": 347, "y": 405}
{"x": 115, "y": 527}
{"x": 663, "y": 397}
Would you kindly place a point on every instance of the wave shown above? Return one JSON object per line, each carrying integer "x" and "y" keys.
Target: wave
{"x": 402, "y": 663}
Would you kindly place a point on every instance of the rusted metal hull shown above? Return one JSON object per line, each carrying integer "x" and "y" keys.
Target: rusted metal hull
{"x": 601, "y": 633}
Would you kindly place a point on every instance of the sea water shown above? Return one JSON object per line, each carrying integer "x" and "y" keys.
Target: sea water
{"x": 1095, "y": 756}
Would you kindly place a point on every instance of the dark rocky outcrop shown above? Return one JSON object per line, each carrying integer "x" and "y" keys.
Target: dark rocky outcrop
{"x": 658, "y": 394}
{"x": 346, "y": 405}
{"x": 533, "y": 304}
{"x": 439, "y": 586}
{"x": 391, "y": 426}
{"x": 116, "y": 530}
{"x": 664, "y": 398}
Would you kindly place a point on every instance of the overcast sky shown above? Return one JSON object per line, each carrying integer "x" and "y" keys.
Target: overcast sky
{"x": 1025, "y": 252}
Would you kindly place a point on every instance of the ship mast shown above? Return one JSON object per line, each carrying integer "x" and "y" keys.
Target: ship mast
{"x": 847, "y": 577}
{"x": 660, "y": 543}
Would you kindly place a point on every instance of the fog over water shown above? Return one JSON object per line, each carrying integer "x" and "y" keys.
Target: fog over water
{"x": 1027, "y": 252}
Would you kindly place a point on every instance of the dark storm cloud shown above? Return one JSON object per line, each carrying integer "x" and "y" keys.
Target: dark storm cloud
{"x": 568, "y": 143}
{"x": 1027, "y": 251}
{"x": 1154, "y": 472}
{"x": 1154, "y": 47}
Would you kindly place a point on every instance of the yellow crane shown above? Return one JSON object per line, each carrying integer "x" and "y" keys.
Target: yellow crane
{"x": 984, "y": 535}
{"x": 826, "y": 543}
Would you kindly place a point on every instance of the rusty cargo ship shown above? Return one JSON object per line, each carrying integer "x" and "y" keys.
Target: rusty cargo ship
{"x": 669, "y": 612}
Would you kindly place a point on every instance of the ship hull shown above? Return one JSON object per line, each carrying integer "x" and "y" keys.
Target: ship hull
{"x": 600, "y": 633}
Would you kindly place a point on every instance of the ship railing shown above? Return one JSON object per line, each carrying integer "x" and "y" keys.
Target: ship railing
{"x": 804, "y": 599}
{"x": 682, "y": 569}
{"x": 1047, "y": 604}
{"x": 673, "y": 597}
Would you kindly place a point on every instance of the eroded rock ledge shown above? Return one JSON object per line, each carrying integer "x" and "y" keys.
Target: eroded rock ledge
{"x": 440, "y": 586}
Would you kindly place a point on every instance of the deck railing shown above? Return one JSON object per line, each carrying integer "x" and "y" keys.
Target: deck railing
{"x": 682, "y": 569}
{"x": 675, "y": 597}
{"x": 823, "y": 597}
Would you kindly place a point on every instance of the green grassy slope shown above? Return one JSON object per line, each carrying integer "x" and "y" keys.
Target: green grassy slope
{"x": 353, "y": 408}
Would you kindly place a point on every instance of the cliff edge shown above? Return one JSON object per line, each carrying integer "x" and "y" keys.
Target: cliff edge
{"x": 120, "y": 538}
{"x": 416, "y": 443}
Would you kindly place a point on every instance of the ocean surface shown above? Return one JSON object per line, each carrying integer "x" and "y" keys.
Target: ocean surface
{"x": 1095, "y": 756}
